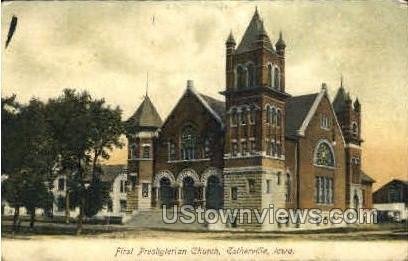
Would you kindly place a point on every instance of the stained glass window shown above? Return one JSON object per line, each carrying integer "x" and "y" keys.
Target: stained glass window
{"x": 324, "y": 155}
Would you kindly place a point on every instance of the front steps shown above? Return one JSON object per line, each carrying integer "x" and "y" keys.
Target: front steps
{"x": 153, "y": 219}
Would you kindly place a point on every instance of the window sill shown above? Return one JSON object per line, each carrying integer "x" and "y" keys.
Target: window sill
{"x": 325, "y": 167}
{"x": 192, "y": 160}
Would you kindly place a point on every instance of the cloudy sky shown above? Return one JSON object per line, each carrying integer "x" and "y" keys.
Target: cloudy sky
{"x": 107, "y": 49}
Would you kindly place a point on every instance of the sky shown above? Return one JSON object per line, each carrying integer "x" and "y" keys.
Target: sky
{"x": 107, "y": 48}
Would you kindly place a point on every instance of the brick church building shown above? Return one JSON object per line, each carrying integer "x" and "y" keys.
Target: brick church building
{"x": 260, "y": 146}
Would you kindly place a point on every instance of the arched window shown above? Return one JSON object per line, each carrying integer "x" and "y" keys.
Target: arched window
{"x": 268, "y": 114}
{"x": 251, "y": 75}
{"x": 270, "y": 73}
{"x": 324, "y": 155}
{"x": 207, "y": 149}
{"x": 188, "y": 143}
{"x": 244, "y": 116}
{"x": 354, "y": 128}
{"x": 241, "y": 77}
{"x": 234, "y": 117}
{"x": 134, "y": 153}
{"x": 252, "y": 115}
{"x": 276, "y": 78}
{"x": 273, "y": 115}
{"x": 278, "y": 118}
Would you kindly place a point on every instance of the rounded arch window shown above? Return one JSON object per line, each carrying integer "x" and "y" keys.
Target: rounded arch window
{"x": 251, "y": 75}
{"x": 241, "y": 77}
{"x": 276, "y": 78}
{"x": 324, "y": 155}
{"x": 189, "y": 142}
{"x": 354, "y": 128}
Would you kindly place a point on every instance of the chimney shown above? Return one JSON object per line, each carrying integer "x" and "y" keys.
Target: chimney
{"x": 190, "y": 84}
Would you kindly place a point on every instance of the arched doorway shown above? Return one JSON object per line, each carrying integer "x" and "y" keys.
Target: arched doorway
{"x": 188, "y": 191}
{"x": 214, "y": 193}
{"x": 166, "y": 192}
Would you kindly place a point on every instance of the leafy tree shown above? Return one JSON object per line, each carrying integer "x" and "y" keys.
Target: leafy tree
{"x": 85, "y": 130}
{"x": 28, "y": 156}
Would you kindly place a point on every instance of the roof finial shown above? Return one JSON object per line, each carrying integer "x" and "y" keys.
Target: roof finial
{"x": 256, "y": 11}
{"x": 147, "y": 84}
{"x": 341, "y": 80}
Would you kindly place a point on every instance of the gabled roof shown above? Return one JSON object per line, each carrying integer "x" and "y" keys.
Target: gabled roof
{"x": 107, "y": 173}
{"x": 301, "y": 109}
{"x": 145, "y": 116}
{"x": 215, "y": 107}
{"x": 297, "y": 108}
{"x": 252, "y": 33}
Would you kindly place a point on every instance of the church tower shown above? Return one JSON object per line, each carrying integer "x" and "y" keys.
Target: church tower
{"x": 349, "y": 116}
{"x": 255, "y": 121}
{"x": 141, "y": 132}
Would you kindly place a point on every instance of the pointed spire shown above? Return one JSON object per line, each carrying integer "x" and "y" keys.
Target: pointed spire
{"x": 230, "y": 40}
{"x": 256, "y": 12}
{"x": 357, "y": 105}
{"x": 280, "y": 44}
{"x": 147, "y": 84}
{"x": 254, "y": 34}
{"x": 341, "y": 80}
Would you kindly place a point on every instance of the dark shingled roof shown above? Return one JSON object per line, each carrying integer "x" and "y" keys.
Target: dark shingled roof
{"x": 366, "y": 178}
{"x": 339, "y": 102}
{"x": 146, "y": 115}
{"x": 217, "y": 105}
{"x": 107, "y": 173}
{"x": 252, "y": 33}
{"x": 297, "y": 108}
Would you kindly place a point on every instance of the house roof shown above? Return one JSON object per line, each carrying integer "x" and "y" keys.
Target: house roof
{"x": 297, "y": 108}
{"x": 108, "y": 173}
{"x": 146, "y": 115}
{"x": 217, "y": 105}
{"x": 254, "y": 30}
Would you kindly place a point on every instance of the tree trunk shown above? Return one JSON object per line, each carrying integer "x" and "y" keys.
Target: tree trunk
{"x": 32, "y": 218}
{"x": 67, "y": 207}
{"x": 80, "y": 217}
{"x": 81, "y": 200}
{"x": 16, "y": 219}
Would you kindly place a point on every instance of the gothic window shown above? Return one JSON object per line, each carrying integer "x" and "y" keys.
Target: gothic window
{"x": 241, "y": 77}
{"x": 134, "y": 151}
{"x": 252, "y": 115}
{"x": 278, "y": 118}
{"x": 325, "y": 122}
{"x": 244, "y": 116}
{"x": 273, "y": 115}
{"x": 323, "y": 190}
{"x": 354, "y": 129}
{"x": 234, "y": 117}
{"x": 270, "y": 73}
{"x": 251, "y": 75}
{"x": 188, "y": 143}
{"x": 276, "y": 78}
{"x": 274, "y": 148}
{"x": 324, "y": 155}
{"x": 172, "y": 151}
{"x": 268, "y": 114}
